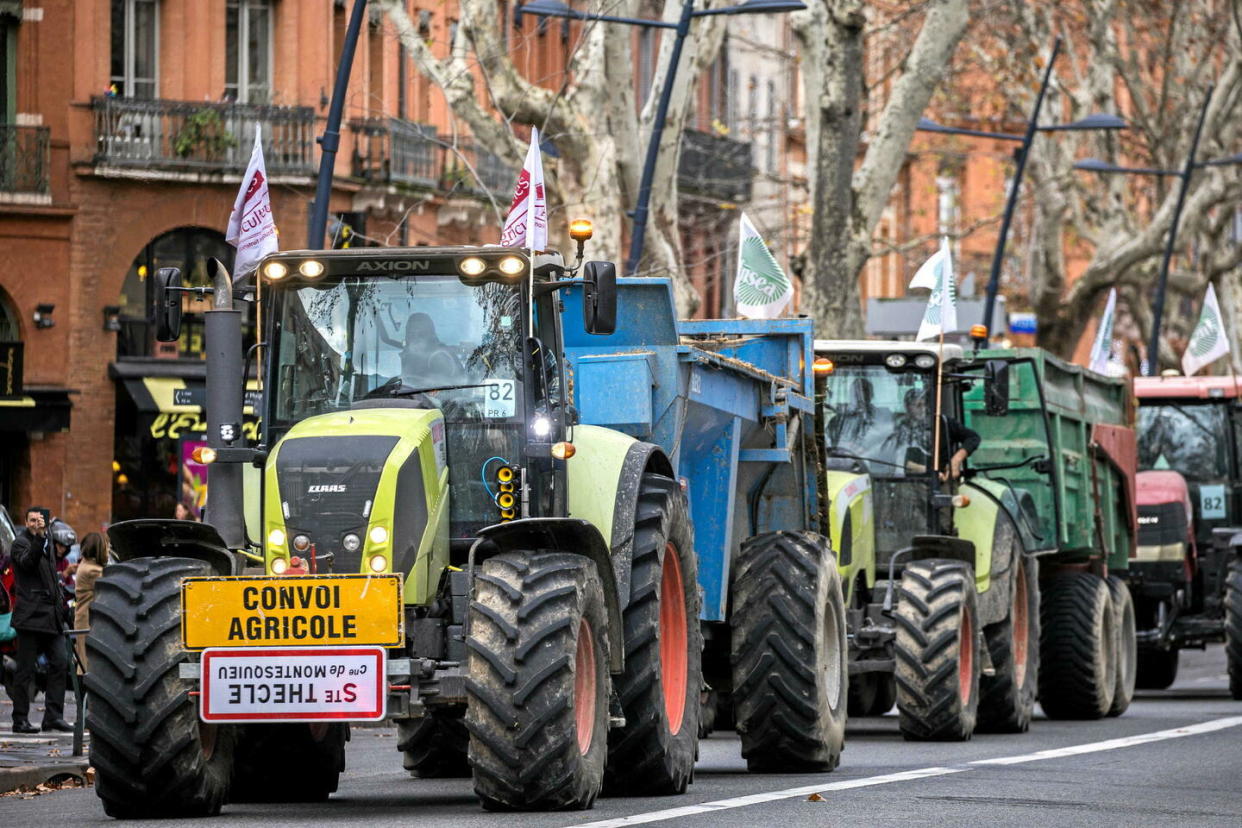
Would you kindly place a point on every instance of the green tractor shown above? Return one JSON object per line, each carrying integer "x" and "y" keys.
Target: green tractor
{"x": 433, "y": 541}
{"x": 943, "y": 574}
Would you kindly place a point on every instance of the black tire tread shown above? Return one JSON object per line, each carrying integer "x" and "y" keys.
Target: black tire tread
{"x": 1004, "y": 707}
{"x": 1157, "y": 669}
{"x": 145, "y": 743}
{"x": 435, "y": 746}
{"x": 644, "y": 757}
{"x": 523, "y": 745}
{"x": 1233, "y": 627}
{"x": 932, "y": 596}
{"x": 778, "y": 656}
{"x": 1126, "y": 647}
{"x": 1078, "y": 678}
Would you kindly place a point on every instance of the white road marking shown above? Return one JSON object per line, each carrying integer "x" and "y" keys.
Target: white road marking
{"x": 905, "y": 776}
{"x": 1114, "y": 744}
{"x": 770, "y": 796}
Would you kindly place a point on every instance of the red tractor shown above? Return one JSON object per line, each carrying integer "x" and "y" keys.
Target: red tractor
{"x": 1187, "y": 578}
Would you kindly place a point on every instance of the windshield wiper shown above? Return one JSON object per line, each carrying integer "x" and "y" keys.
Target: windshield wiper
{"x": 406, "y": 391}
{"x": 847, "y": 455}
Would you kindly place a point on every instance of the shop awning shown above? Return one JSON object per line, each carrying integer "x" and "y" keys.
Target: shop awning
{"x": 45, "y": 410}
{"x": 179, "y": 395}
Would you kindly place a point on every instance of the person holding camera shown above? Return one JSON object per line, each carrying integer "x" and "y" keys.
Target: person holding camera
{"x": 39, "y": 616}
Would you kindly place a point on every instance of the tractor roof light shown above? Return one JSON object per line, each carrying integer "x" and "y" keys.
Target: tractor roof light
{"x": 979, "y": 332}
{"x": 472, "y": 266}
{"x": 275, "y": 271}
{"x": 823, "y": 366}
{"x": 581, "y": 230}
{"x": 895, "y": 360}
{"x": 512, "y": 265}
{"x": 925, "y": 361}
{"x": 311, "y": 269}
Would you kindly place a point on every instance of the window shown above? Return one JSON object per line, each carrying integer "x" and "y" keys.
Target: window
{"x": 752, "y": 107}
{"x": 135, "y": 47}
{"x": 8, "y": 68}
{"x": 248, "y": 51}
{"x": 403, "y": 81}
{"x": 375, "y": 68}
{"x": 773, "y": 129}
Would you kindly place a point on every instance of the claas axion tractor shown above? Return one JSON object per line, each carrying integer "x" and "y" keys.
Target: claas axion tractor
{"x": 430, "y": 533}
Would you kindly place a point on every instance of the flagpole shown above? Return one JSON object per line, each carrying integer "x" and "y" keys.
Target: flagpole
{"x": 936, "y": 431}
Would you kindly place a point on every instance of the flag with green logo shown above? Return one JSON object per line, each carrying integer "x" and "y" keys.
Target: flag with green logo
{"x": 941, "y": 314}
{"x": 1103, "y": 347}
{"x": 1208, "y": 342}
{"x": 761, "y": 289}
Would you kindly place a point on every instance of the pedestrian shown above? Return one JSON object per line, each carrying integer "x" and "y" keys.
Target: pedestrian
{"x": 94, "y": 555}
{"x": 39, "y": 618}
{"x": 184, "y": 511}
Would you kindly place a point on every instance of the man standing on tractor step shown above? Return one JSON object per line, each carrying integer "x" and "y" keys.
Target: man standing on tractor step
{"x": 39, "y": 618}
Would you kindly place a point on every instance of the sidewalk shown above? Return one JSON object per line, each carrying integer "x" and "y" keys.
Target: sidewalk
{"x": 29, "y": 760}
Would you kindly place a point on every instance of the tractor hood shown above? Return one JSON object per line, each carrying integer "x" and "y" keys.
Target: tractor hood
{"x": 1164, "y": 516}
{"x": 337, "y": 480}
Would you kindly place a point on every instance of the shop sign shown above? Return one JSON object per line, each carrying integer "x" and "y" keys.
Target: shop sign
{"x": 11, "y": 368}
{"x": 174, "y": 425}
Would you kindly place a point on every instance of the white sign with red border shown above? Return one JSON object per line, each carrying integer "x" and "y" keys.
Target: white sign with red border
{"x": 302, "y": 684}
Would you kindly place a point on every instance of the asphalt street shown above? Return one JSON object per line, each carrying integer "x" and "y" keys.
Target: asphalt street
{"x": 1173, "y": 758}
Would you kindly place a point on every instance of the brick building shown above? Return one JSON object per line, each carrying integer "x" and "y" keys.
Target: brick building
{"x": 125, "y": 126}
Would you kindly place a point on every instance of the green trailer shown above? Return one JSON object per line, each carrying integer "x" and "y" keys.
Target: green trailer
{"x": 1045, "y": 504}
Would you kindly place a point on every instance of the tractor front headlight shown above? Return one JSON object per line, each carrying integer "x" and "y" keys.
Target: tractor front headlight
{"x": 378, "y": 535}
{"x": 276, "y": 537}
{"x": 280, "y": 566}
{"x": 378, "y": 563}
{"x": 351, "y": 542}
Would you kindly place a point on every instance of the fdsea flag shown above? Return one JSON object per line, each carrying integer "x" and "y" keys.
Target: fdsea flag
{"x": 1103, "y": 347}
{"x": 761, "y": 289}
{"x": 1208, "y": 342}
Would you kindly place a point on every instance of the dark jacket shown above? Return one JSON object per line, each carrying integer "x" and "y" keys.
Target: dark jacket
{"x": 40, "y": 606}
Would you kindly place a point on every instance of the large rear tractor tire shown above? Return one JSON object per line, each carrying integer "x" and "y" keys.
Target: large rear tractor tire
{"x": 788, "y": 654}
{"x": 538, "y": 682}
{"x": 1007, "y": 698}
{"x": 1127, "y": 646}
{"x": 654, "y": 753}
{"x": 152, "y": 755}
{"x": 434, "y": 746}
{"x": 1157, "y": 669}
{"x": 1233, "y": 627}
{"x": 937, "y": 652}
{"x": 1078, "y": 675}
{"x": 294, "y": 762}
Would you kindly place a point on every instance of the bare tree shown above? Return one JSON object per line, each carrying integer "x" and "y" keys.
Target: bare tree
{"x": 1152, "y": 62}
{"x": 589, "y": 113}
{"x": 849, "y": 197}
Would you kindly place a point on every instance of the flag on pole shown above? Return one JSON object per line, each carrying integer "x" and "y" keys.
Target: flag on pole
{"x": 1103, "y": 347}
{"x": 941, "y": 315}
{"x": 761, "y": 290}
{"x": 252, "y": 228}
{"x": 527, "y": 224}
{"x": 1208, "y": 341}
{"x": 928, "y": 276}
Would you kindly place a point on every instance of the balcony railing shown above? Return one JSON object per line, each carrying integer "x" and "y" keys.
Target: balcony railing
{"x": 714, "y": 167}
{"x": 25, "y": 157}
{"x": 202, "y": 137}
{"x": 490, "y": 176}
{"x": 396, "y": 151}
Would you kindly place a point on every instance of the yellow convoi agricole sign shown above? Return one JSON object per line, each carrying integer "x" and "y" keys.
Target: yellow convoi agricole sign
{"x": 296, "y": 611}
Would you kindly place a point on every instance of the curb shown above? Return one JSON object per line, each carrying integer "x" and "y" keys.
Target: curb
{"x": 31, "y": 775}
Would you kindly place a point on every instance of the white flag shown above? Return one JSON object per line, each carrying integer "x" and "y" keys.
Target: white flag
{"x": 941, "y": 314}
{"x": 928, "y": 276}
{"x": 1208, "y": 341}
{"x": 252, "y": 229}
{"x": 1103, "y": 347}
{"x": 527, "y": 224}
{"x": 761, "y": 289}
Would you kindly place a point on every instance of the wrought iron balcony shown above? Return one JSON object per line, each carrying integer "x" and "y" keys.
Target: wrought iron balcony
{"x": 714, "y": 167}
{"x": 25, "y": 158}
{"x": 391, "y": 150}
{"x": 202, "y": 137}
{"x": 491, "y": 175}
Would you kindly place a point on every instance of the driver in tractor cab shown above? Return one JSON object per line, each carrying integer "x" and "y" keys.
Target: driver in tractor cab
{"x": 425, "y": 360}
{"x": 911, "y": 430}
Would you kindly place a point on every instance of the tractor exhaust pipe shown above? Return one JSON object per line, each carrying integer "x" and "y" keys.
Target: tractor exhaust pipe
{"x": 226, "y": 504}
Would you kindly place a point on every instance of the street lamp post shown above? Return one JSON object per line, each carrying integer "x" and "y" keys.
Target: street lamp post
{"x": 1184, "y": 174}
{"x": 555, "y": 8}
{"x": 1093, "y": 121}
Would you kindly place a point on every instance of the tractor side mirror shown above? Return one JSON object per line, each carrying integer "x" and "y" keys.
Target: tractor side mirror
{"x": 599, "y": 297}
{"x": 996, "y": 387}
{"x": 167, "y": 304}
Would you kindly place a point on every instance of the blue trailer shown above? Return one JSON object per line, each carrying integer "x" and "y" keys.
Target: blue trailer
{"x": 731, "y": 404}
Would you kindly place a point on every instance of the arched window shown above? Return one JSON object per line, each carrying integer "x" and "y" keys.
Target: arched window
{"x": 186, "y": 248}
{"x": 9, "y": 330}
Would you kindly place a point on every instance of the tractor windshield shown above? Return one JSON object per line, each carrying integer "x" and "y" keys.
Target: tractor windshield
{"x": 424, "y": 337}
{"x": 880, "y": 418}
{"x": 1191, "y": 438}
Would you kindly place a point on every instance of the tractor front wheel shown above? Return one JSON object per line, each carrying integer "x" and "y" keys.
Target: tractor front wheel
{"x": 937, "y": 650}
{"x": 1157, "y": 669}
{"x": 1007, "y": 698}
{"x": 434, "y": 746}
{"x": 1233, "y": 627}
{"x": 1127, "y": 646}
{"x": 790, "y": 671}
{"x": 152, "y": 755}
{"x": 538, "y": 682}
